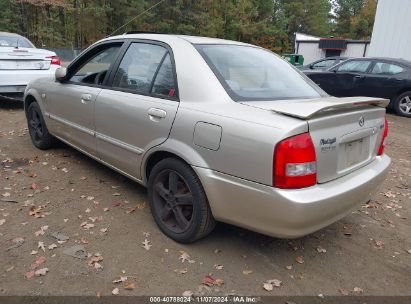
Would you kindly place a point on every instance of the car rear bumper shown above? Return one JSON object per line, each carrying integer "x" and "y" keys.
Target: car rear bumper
{"x": 15, "y": 79}
{"x": 290, "y": 213}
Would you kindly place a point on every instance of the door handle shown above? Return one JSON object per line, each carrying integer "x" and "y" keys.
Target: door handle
{"x": 85, "y": 98}
{"x": 156, "y": 113}
{"x": 359, "y": 77}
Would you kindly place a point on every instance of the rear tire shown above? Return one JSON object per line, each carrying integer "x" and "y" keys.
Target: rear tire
{"x": 402, "y": 104}
{"x": 38, "y": 131}
{"x": 178, "y": 202}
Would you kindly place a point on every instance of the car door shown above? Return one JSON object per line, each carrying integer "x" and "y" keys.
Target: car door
{"x": 349, "y": 78}
{"x": 385, "y": 79}
{"x": 70, "y": 104}
{"x": 137, "y": 112}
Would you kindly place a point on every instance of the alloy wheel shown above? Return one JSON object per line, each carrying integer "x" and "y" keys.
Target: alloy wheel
{"x": 173, "y": 201}
{"x": 405, "y": 105}
{"x": 35, "y": 124}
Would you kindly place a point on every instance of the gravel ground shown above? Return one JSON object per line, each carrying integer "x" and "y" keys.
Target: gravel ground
{"x": 60, "y": 190}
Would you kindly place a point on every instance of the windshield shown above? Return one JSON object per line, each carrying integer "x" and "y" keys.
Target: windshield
{"x": 250, "y": 73}
{"x": 15, "y": 41}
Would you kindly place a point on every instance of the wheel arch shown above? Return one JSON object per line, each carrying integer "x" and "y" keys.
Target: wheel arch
{"x": 170, "y": 149}
{"x": 30, "y": 97}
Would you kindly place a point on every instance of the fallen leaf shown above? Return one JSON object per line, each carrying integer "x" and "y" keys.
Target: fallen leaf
{"x": 52, "y": 246}
{"x": 6, "y": 194}
{"x": 268, "y": 287}
{"x": 129, "y": 286}
{"x": 344, "y": 291}
{"x": 88, "y": 210}
{"x": 10, "y": 269}
{"x": 2, "y": 221}
{"x": 187, "y": 293}
{"x": 185, "y": 257}
{"x": 146, "y": 244}
{"x": 299, "y": 260}
{"x": 347, "y": 229}
{"x": 275, "y": 282}
{"x": 65, "y": 170}
{"x": 33, "y": 252}
{"x": 42, "y": 231}
{"x": 116, "y": 194}
{"x": 218, "y": 267}
{"x": 41, "y": 272}
{"x": 321, "y": 250}
{"x": 115, "y": 291}
{"x": 34, "y": 186}
{"x": 181, "y": 271}
{"x": 358, "y": 290}
{"x": 103, "y": 230}
{"x": 146, "y": 234}
{"x": 141, "y": 205}
{"x": 210, "y": 281}
{"x": 409, "y": 251}
{"x": 289, "y": 267}
{"x": 131, "y": 209}
{"x": 379, "y": 244}
{"x": 106, "y": 209}
{"x": 120, "y": 280}
{"x": 247, "y": 272}
{"x": 41, "y": 246}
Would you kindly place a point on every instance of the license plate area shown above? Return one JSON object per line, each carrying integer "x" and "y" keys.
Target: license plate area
{"x": 355, "y": 153}
{"x": 24, "y": 65}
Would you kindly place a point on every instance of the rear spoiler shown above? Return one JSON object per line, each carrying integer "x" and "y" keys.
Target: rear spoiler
{"x": 308, "y": 108}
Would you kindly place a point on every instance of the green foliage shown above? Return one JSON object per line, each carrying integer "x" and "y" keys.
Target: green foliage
{"x": 269, "y": 23}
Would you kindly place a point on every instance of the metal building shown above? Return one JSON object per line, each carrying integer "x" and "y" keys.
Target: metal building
{"x": 391, "y": 35}
{"x": 314, "y": 48}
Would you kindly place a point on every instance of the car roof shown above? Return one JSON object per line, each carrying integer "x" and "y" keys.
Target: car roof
{"x": 168, "y": 37}
{"x": 10, "y": 34}
{"x": 397, "y": 60}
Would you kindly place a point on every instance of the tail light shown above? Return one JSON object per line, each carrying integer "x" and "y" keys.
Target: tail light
{"x": 295, "y": 163}
{"x": 384, "y": 137}
{"x": 55, "y": 60}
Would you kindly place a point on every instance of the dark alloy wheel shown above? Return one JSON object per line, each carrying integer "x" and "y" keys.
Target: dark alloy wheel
{"x": 39, "y": 133}
{"x": 178, "y": 201}
{"x": 174, "y": 201}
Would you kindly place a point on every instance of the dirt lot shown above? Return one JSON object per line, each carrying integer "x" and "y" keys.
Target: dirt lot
{"x": 368, "y": 252}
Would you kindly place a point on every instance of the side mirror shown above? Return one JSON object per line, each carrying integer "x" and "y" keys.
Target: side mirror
{"x": 311, "y": 66}
{"x": 61, "y": 73}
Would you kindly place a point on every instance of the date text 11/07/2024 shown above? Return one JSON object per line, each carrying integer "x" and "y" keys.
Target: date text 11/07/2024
{"x": 205, "y": 299}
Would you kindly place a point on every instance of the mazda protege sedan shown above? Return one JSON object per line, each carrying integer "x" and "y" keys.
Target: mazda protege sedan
{"x": 217, "y": 131}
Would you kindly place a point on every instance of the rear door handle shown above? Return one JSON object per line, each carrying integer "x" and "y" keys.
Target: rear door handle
{"x": 85, "y": 98}
{"x": 156, "y": 113}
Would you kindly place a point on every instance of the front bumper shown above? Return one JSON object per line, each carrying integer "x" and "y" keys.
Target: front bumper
{"x": 290, "y": 213}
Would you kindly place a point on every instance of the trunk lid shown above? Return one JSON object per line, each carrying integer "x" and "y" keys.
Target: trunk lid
{"x": 346, "y": 132}
{"x": 24, "y": 58}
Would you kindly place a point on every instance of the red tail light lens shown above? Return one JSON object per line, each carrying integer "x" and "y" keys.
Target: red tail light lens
{"x": 55, "y": 60}
{"x": 384, "y": 137}
{"x": 295, "y": 163}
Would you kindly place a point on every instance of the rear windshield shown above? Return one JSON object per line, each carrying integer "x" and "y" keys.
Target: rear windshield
{"x": 250, "y": 73}
{"x": 15, "y": 41}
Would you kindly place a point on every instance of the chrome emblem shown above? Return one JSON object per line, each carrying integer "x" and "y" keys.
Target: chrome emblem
{"x": 361, "y": 121}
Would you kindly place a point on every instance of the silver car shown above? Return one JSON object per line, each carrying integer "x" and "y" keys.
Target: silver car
{"x": 217, "y": 131}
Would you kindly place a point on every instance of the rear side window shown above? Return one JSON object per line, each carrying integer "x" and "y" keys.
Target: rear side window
{"x": 164, "y": 84}
{"x": 139, "y": 66}
{"x": 386, "y": 68}
{"x": 360, "y": 66}
{"x": 250, "y": 73}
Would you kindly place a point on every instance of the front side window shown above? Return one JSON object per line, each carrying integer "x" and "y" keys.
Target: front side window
{"x": 386, "y": 68}
{"x": 251, "y": 73}
{"x": 139, "y": 66}
{"x": 359, "y": 66}
{"x": 95, "y": 69}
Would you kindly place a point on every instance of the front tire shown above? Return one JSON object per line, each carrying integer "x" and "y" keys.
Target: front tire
{"x": 178, "y": 202}
{"x": 38, "y": 131}
{"x": 402, "y": 104}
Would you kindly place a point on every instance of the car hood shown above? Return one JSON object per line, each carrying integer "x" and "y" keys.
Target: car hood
{"x": 307, "y": 108}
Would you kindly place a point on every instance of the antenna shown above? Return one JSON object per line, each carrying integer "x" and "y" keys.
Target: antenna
{"x": 131, "y": 20}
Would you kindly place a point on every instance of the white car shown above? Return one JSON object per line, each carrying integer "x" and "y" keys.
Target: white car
{"x": 21, "y": 62}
